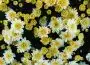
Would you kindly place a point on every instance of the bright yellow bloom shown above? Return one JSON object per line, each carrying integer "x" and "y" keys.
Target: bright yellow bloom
{"x": 63, "y": 3}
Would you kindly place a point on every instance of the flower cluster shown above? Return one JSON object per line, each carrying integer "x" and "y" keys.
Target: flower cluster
{"x": 58, "y": 38}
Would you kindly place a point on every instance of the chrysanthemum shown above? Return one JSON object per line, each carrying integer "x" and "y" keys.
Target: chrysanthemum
{"x": 45, "y": 40}
{"x": 23, "y": 45}
{"x": 17, "y": 26}
{"x": 11, "y": 15}
{"x": 43, "y": 31}
{"x": 58, "y": 43}
{"x": 26, "y": 61}
{"x": 7, "y": 36}
{"x": 62, "y": 3}
{"x": 37, "y": 55}
{"x": 15, "y": 36}
{"x": 85, "y": 23}
{"x": 2, "y": 61}
{"x": 8, "y": 56}
{"x": 72, "y": 26}
{"x": 66, "y": 36}
{"x": 56, "y": 24}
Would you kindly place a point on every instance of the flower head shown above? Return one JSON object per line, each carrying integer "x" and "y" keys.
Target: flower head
{"x": 23, "y": 45}
{"x": 8, "y": 56}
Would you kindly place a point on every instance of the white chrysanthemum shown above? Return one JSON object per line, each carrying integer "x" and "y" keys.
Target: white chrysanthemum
{"x": 11, "y": 15}
{"x": 2, "y": 61}
{"x": 8, "y": 56}
{"x": 88, "y": 57}
{"x": 7, "y": 36}
{"x": 23, "y": 45}
{"x": 43, "y": 32}
{"x": 73, "y": 13}
{"x": 17, "y": 26}
{"x": 56, "y": 62}
{"x": 67, "y": 36}
{"x": 72, "y": 26}
{"x": 58, "y": 42}
{"x": 42, "y": 62}
{"x": 15, "y": 36}
{"x": 56, "y": 25}
{"x": 73, "y": 63}
{"x": 37, "y": 55}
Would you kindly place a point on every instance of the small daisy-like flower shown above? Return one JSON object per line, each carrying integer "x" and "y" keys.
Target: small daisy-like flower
{"x": 88, "y": 57}
{"x": 72, "y": 26}
{"x": 26, "y": 61}
{"x": 15, "y": 36}
{"x": 2, "y": 61}
{"x": 23, "y": 45}
{"x": 62, "y": 3}
{"x": 53, "y": 50}
{"x": 43, "y": 32}
{"x": 45, "y": 40}
{"x": 7, "y": 36}
{"x": 78, "y": 58}
{"x": 85, "y": 23}
{"x": 8, "y": 56}
{"x": 11, "y": 15}
{"x": 37, "y": 55}
{"x": 58, "y": 43}
{"x": 56, "y": 24}
{"x": 66, "y": 36}
{"x": 17, "y": 26}
{"x": 56, "y": 62}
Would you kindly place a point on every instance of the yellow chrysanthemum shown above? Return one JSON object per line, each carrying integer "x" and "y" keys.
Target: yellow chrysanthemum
{"x": 43, "y": 32}
{"x": 37, "y": 55}
{"x": 63, "y": 3}
{"x": 45, "y": 40}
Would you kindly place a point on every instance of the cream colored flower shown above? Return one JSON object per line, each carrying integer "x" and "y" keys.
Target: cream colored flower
{"x": 8, "y": 56}
{"x": 17, "y": 26}
{"x": 58, "y": 43}
{"x": 15, "y": 36}
{"x": 37, "y": 55}
{"x": 23, "y": 45}
{"x": 56, "y": 24}
{"x": 7, "y": 36}
{"x": 43, "y": 32}
{"x": 11, "y": 15}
